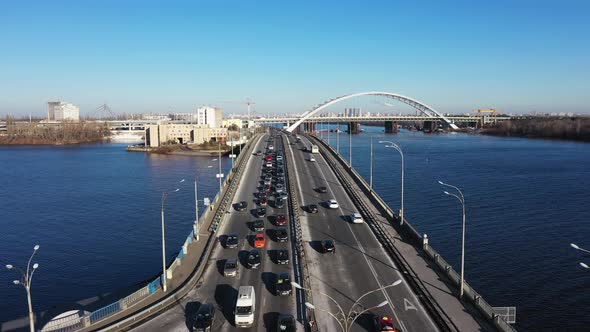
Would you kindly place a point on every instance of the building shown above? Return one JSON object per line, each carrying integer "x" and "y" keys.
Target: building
{"x": 211, "y": 116}
{"x": 227, "y": 123}
{"x": 161, "y": 134}
{"x": 62, "y": 111}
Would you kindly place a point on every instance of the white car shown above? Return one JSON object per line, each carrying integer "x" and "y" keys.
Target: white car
{"x": 311, "y": 159}
{"x": 332, "y": 204}
{"x": 356, "y": 218}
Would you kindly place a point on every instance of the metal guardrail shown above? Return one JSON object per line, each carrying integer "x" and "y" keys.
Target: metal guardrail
{"x": 470, "y": 293}
{"x": 308, "y": 315}
{"x": 86, "y": 321}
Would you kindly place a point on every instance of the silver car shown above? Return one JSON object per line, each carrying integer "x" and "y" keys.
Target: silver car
{"x": 230, "y": 268}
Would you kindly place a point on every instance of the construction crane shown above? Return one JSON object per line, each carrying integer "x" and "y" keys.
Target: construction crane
{"x": 247, "y": 102}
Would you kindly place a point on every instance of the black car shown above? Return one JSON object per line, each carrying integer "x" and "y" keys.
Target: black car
{"x": 262, "y": 194}
{"x": 312, "y": 208}
{"x": 254, "y": 259}
{"x": 322, "y": 190}
{"x": 279, "y": 203}
{"x": 231, "y": 241}
{"x": 281, "y": 234}
{"x": 286, "y": 323}
{"x": 260, "y": 212}
{"x": 204, "y": 318}
{"x": 328, "y": 246}
{"x": 282, "y": 256}
{"x": 258, "y": 225}
{"x": 242, "y": 206}
{"x": 283, "y": 284}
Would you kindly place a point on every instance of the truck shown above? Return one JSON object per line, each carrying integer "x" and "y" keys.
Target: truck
{"x": 245, "y": 307}
{"x": 315, "y": 149}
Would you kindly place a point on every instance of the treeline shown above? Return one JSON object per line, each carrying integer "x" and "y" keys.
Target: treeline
{"x": 64, "y": 133}
{"x": 576, "y": 129}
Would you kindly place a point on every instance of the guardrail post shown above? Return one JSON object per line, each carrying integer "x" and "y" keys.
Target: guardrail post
{"x": 86, "y": 320}
{"x": 425, "y": 241}
{"x": 122, "y": 304}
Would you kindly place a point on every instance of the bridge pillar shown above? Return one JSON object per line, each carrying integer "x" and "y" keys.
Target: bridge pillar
{"x": 309, "y": 127}
{"x": 390, "y": 127}
{"x": 430, "y": 126}
{"x": 354, "y": 127}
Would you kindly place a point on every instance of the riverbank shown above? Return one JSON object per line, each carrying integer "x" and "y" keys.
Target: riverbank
{"x": 181, "y": 150}
{"x": 571, "y": 129}
{"x": 59, "y": 134}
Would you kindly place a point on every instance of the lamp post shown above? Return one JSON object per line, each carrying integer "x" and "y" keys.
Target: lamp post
{"x": 338, "y": 138}
{"x": 25, "y": 281}
{"x": 350, "y": 145}
{"x": 219, "y": 175}
{"x": 575, "y": 246}
{"x": 395, "y": 146}
{"x": 461, "y": 199}
{"x": 164, "y": 196}
{"x": 371, "y": 167}
{"x": 328, "y": 133}
{"x": 345, "y": 321}
{"x": 196, "y": 228}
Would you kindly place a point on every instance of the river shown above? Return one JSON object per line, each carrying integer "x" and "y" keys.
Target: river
{"x": 95, "y": 211}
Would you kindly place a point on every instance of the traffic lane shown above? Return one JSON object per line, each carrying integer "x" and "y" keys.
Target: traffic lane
{"x": 211, "y": 284}
{"x": 413, "y": 314}
{"x": 376, "y": 244}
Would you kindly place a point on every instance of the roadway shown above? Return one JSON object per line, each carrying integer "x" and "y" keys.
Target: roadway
{"x": 360, "y": 263}
{"x": 222, "y": 291}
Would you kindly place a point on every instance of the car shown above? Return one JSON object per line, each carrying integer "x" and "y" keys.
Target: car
{"x": 259, "y": 153}
{"x": 322, "y": 190}
{"x": 231, "y": 241}
{"x": 242, "y": 206}
{"x": 279, "y": 188}
{"x": 260, "y": 212}
{"x": 332, "y": 204}
{"x": 356, "y": 218}
{"x": 282, "y": 195}
{"x": 280, "y": 220}
{"x": 254, "y": 259}
{"x": 282, "y": 256}
{"x": 328, "y": 246}
{"x": 267, "y": 188}
{"x": 312, "y": 208}
{"x": 267, "y": 181}
{"x": 279, "y": 157}
{"x": 259, "y": 241}
{"x": 230, "y": 268}
{"x": 279, "y": 203}
{"x": 258, "y": 225}
{"x": 268, "y": 158}
{"x": 204, "y": 317}
{"x": 262, "y": 194}
{"x": 281, "y": 234}
{"x": 383, "y": 324}
{"x": 312, "y": 159}
{"x": 286, "y": 323}
{"x": 270, "y": 147}
{"x": 283, "y": 284}
{"x": 262, "y": 202}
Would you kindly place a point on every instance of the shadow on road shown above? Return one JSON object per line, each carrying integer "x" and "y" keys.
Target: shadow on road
{"x": 225, "y": 296}
{"x": 270, "y": 321}
{"x": 268, "y": 278}
{"x": 189, "y": 314}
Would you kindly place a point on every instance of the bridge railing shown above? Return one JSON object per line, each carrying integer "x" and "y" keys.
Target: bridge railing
{"x": 470, "y": 293}
{"x": 221, "y": 200}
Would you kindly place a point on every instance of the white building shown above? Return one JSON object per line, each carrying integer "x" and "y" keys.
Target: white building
{"x": 62, "y": 111}
{"x": 211, "y": 116}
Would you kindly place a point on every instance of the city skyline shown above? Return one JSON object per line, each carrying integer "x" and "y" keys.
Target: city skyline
{"x": 141, "y": 57}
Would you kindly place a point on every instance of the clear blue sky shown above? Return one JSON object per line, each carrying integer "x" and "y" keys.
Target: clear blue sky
{"x": 144, "y": 56}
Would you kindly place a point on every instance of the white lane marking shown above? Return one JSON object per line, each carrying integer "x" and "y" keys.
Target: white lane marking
{"x": 408, "y": 305}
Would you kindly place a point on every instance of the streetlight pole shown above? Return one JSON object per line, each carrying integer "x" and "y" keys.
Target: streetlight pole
{"x": 338, "y": 139}
{"x": 461, "y": 199}
{"x": 371, "y": 169}
{"x": 395, "y": 146}
{"x": 164, "y": 196}
{"x": 25, "y": 281}
{"x": 350, "y": 145}
{"x": 575, "y": 246}
{"x": 232, "y": 153}
{"x": 196, "y": 228}
{"x": 219, "y": 159}
{"x": 328, "y": 133}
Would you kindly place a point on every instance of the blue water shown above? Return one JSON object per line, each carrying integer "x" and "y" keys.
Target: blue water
{"x": 95, "y": 211}
{"x": 526, "y": 201}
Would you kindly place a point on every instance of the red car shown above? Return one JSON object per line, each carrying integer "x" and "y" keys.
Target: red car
{"x": 384, "y": 323}
{"x": 259, "y": 240}
{"x": 269, "y": 158}
{"x": 280, "y": 220}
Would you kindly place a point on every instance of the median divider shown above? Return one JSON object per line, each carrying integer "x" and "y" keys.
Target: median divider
{"x": 341, "y": 168}
{"x": 150, "y": 299}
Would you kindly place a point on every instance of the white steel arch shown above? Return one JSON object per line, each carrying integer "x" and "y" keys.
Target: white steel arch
{"x": 429, "y": 111}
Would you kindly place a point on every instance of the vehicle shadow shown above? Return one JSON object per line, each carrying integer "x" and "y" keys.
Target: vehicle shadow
{"x": 270, "y": 320}
{"x": 220, "y": 266}
{"x": 268, "y": 278}
{"x": 346, "y": 218}
{"x": 250, "y": 225}
{"x": 366, "y": 321}
{"x": 222, "y": 240}
{"x": 272, "y": 254}
{"x": 243, "y": 257}
{"x": 270, "y": 233}
{"x": 225, "y": 296}
{"x": 190, "y": 311}
{"x": 317, "y": 246}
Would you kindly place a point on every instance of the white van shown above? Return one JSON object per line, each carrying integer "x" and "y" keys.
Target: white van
{"x": 245, "y": 307}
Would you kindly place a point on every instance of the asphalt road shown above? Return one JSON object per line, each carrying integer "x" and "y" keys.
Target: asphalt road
{"x": 222, "y": 291}
{"x": 360, "y": 264}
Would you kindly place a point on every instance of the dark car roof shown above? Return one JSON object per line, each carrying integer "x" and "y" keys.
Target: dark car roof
{"x": 329, "y": 242}
{"x": 205, "y": 309}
